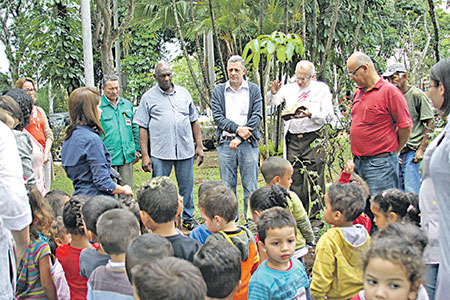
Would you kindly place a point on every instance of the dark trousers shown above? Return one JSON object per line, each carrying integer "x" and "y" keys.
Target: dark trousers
{"x": 301, "y": 155}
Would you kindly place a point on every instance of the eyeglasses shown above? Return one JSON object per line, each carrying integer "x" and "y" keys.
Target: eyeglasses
{"x": 303, "y": 78}
{"x": 30, "y": 90}
{"x": 354, "y": 72}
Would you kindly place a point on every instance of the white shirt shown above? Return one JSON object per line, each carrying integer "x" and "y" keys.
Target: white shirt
{"x": 237, "y": 104}
{"x": 15, "y": 212}
{"x": 316, "y": 97}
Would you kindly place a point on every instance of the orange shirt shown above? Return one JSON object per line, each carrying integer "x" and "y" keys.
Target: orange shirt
{"x": 36, "y": 127}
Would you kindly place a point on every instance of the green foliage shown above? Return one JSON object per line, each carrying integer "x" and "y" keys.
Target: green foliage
{"x": 142, "y": 49}
{"x": 272, "y": 152}
{"x": 182, "y": 76}
{"x": 282, "y": 45}
{"x": 50, "y": 35}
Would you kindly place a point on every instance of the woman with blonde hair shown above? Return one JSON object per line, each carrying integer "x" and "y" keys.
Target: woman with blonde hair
{"x": 85, "y": 158}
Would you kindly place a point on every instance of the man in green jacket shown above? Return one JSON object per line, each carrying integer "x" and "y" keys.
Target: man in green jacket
{"x": 121, "y": 134}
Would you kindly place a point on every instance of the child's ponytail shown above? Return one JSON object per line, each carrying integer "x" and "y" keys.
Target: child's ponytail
{"x": 72, "y": 218}
{"x": 404, "y": 205}
{"x": 413, "y": 210}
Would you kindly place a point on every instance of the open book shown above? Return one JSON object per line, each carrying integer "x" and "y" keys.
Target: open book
{"x": 296, "y": 109}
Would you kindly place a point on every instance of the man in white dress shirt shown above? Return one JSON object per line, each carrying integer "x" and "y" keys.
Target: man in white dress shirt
{"x": 315, "y": 108}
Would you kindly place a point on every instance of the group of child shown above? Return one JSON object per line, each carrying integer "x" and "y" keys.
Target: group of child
{"x": 100, "y": 248}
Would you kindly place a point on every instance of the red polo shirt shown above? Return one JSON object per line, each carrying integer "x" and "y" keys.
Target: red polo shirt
{"x": 376, "y": 116}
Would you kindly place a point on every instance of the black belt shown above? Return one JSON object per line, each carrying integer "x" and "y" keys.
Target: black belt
{"x": 301, "y": 135}
{"x": 379, "y": 155}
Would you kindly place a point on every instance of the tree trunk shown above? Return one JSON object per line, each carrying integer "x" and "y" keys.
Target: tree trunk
{"x": 186, "y": 55}
{"x": 358, "y": 27}
{"x": 216, "y": 41}
{"x": 314, "y": 33}
{"x": 294, "y": 17}
{"x": 263, "y": 82}
{"x": 208, "y": 85}
{"x": 107, "y": 57}
{"x": 110, "y": 35}
{"x": 6, "y": 40}
{"x": 285, "y": 27}
{"x": 436, "y": 29}
{"x": 323, "y": 64}
{"x": 50, "y": 98}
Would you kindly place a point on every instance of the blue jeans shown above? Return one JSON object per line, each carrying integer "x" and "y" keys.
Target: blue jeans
{"x": 380, "y": 173}
{"x": 430, "y": 279}
{"x": 409, "y": 173}
{"x": 246, "y": 158}
{"x": 184, "y": 172}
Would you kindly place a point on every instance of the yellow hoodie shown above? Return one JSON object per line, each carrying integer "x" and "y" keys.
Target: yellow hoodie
{"x": 336, "y": 272}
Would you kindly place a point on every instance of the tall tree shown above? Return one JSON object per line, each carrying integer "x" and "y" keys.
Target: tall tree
{"x": 186, "y": 55}
{"x": 105, "y": 35}
{"x": 436, "y": 29}
{"x": 216, "y": 41}
{"x": 323, "y": 64}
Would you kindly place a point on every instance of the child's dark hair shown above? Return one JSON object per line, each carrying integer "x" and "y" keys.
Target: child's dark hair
{"x": 58, "y": 231}
{"x": 159, "y": 198}
{"x": 347, "y": 198}
{"x": 72, "y": 218}
{"x": 55, "y": 199}
{"x": 133, "y": 206}
{"x": 275, "y": 217}
{"x": 169, "y": 278}
{"x": 398, "y": 249}
{"x": 26, "y": 105}
{"x": 274, "y": 166}
{"x": 356, "y": 179}
{"x": 219, "y": 201}
{"x": 220, "y": 264}
{"x": 206, "y": 185}
{"x": 116, "y": 228}
{"x": 40, "y": 212}
{"x": 405, "y": 205}
{"x": 94, "y": 208}
{"x": 407, "y": 231}
{"x": 269, "y": 196}
{"x": 146, "y": 248}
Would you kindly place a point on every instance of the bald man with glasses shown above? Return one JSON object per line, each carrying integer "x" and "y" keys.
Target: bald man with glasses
{"x": 313, "y": 107}
{"x": 381, "y": 125}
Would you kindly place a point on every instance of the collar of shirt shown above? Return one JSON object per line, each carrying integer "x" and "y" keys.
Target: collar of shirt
{"x": 86, "y": 127}
{"x": 244, "y": 85}
{"x": 377, "y": 85}
{"x": 165, "y": 93}
{"x": 113, "y": 104}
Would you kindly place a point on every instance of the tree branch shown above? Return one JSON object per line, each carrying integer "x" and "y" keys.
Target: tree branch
{"x": 436, "y": 29}
{"x": 323, "y": 63}
{"x": 358, "y": 27}
{"x": 125, "y": 22}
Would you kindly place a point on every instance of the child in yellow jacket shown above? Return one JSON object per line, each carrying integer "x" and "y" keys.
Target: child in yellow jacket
{"x": 336, "y": 271}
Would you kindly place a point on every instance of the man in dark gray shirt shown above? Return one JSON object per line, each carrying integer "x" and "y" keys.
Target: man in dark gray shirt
{"x": 168, "y": 124}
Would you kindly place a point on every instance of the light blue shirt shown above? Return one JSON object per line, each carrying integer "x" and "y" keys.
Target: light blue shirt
{"x": 268, "y": 283}
{"x": 168, "y": 118}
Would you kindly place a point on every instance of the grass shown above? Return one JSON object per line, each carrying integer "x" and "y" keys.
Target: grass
{"x": 209, "y": 170}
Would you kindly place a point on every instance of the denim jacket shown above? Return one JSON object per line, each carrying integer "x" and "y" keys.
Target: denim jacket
{"x": 87, "y": 163}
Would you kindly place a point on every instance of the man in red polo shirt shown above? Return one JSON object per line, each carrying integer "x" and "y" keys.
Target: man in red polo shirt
{"x": 381, "y": 125}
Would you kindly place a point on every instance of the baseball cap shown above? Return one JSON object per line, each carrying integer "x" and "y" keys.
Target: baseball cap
{"x": 394, "y": 68}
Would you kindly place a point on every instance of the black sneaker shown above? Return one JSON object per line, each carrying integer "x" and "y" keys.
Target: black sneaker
{"x": 190, "y": 224}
